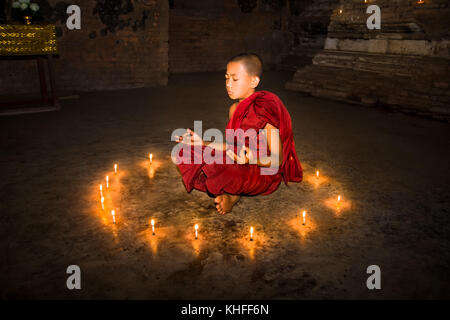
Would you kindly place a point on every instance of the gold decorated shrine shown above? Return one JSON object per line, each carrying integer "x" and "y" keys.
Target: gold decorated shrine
{"x": 20, "y": 40}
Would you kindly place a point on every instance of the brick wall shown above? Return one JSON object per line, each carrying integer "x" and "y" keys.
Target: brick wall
{"x": 121, "y": 44}
{"x": 204, "y": 34}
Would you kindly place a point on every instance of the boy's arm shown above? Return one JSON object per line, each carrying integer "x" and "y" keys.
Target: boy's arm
{"x": 231, "y": 111}
{"x": 215, "y": 145}
{"x": 265, "y": 161}
{"x": 222, "y": 146}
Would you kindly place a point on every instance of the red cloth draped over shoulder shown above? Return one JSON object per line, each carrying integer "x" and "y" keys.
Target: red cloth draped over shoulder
{"x": 270, "y": 109}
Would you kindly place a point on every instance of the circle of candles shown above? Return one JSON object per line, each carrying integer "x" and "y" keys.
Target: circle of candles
{"x": 153, "y": 227}
{"x": 107, "y": 181}
{"x": 102, "y": 200}
{"x": 304, "y": 217}
{"x": 151, "y": 158}
{"x": 251, "y": 233}
{"x": 113, "y": 216}
{"x": 115, "y": 168}
{"x": 196, "y": 231}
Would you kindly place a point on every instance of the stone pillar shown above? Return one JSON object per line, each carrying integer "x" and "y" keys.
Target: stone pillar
{"x": 308, "y": 21}
{"x": 405, "y": 64}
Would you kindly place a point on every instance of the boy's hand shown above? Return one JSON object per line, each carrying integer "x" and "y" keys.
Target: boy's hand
{"x": 245, "y": 155}
{"x": 190, "y": 138}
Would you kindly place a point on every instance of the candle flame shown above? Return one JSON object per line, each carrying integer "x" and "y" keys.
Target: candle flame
{"x": 153, "y": 222}
{"x": 339, "y": 197}
{"x": 151, "y": 157}
{"x": 115, "y": 168}
{"x": 304, "y": 216}
{"x": 196, "y": 226}
{"x": 251, "y": 231}
{"x": 102, "y": 200}
{"x": 101, "y": 187}
{"x": 340, "y": 10}
{"x": 317, "y": 173}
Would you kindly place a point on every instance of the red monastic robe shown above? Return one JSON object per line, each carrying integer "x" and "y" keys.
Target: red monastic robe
{"x": 255, "y": 112}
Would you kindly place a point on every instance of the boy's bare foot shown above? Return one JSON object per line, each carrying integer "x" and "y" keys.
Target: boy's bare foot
{"x": 225, "y": 202}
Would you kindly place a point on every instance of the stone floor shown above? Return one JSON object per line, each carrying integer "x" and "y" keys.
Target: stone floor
{"x": 391, "y": 169}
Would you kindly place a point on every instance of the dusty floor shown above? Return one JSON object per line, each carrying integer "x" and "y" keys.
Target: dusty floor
{"x": 392, "y": 171}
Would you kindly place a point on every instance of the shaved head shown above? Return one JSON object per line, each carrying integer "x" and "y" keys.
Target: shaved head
{"x": 251, "y": 61}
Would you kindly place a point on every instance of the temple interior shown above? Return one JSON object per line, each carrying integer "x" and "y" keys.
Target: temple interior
{"x": 370, "y": 111}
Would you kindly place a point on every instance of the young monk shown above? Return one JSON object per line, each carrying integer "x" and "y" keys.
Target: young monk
{"x": 227, "y": 182}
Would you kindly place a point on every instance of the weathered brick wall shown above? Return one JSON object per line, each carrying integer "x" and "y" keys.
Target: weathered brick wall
{"x": 204, "y": 34}
{"x": 121, "y": 44}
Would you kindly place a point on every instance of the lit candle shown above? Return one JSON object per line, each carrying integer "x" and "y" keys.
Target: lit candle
{"x": 339, "y": 198}
{"x": 340, "y": 10}
{"x": 102, "y": 200}
{"x": 113, "y": 216}
{"x": 115, "y": 168}
{"x": 101, "y": 190}
{"x": 196, "y": 231}
{"x": 317, "y": 174}
{"x": 153, "y": 227}
{"x": 151, "y": 158}
{"x": 365, "y": 1}
{"x": 251, "y": 233}
{"x": 304, "y": 217}
{"x": 107, "y": 182}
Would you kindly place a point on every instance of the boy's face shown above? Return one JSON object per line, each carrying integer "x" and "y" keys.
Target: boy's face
{"x": 238, "y": 82}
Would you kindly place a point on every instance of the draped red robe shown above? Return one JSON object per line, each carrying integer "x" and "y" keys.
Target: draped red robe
{"x": 255, "y": 112}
